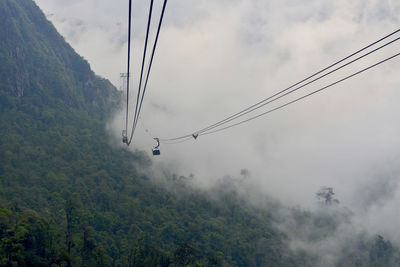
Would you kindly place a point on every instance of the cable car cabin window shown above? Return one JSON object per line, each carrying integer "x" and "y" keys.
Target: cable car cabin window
{"x": 156, "y": 152}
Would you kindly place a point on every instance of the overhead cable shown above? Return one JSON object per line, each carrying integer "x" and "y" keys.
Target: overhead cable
{"x": 299, "y": 87}
{"x": 128, "y": 67}
{"x": 263, "y": 102}
{"x": 177, "y": 142}
{"x": 151, "y": 61}
{"x": 303, "y": 97}
{"x": 141, "y": 72}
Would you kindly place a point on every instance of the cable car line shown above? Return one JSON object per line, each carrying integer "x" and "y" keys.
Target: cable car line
{"x": 141, "y": 72}
{"x": 257, "y": 105}
{"x": 271, "y": 99}
{"x": 128, "y": 67}
{"x": 178, "y": 142}
{"x": 298, "y": 88}
{"x": 264, "y": 101}
{"x": 303, "y": 97}
{"x": 124, "y": 133}
{"x": 151, "y": 60}
{"x": 293, "y": 101}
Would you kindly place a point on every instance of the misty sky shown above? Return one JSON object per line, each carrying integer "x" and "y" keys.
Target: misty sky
{"x": 215, "y": 58}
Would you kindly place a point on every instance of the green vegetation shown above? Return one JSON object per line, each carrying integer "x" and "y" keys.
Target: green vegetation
{"x": 69, "y": 198}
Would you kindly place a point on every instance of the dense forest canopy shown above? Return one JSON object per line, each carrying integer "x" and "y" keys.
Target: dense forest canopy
{"x": 69, "y": 198}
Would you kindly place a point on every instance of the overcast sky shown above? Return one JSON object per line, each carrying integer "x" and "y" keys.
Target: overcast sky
{"x": 215, "y": 58}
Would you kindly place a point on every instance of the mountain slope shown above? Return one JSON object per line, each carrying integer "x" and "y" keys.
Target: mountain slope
{"x": 68, "y": 198}
{"x": 38, "y": 64}
{"x": 58, "y": 171}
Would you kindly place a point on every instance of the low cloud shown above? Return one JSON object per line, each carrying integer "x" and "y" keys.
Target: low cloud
{"x": 216, "y": 58}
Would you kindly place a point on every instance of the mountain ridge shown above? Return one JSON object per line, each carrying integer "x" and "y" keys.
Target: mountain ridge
{"x": 69, "y": 198}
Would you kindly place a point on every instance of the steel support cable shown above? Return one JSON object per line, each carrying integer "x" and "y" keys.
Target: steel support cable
{"x": 178, "y": 142}
{"x": 308, "y": 83}
{"x": 262, "y": 103}
{"x": 240, "y": 113}
{"x": 151, "y": 60}
{"x": 141, "y": 72}
{"x": 128, "y": 67}
{"x": 303, "y": 97}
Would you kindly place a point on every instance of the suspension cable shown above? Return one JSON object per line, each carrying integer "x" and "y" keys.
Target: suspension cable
{"x": 151, "y": 60}
{"x": 303, "y": 97}
{"x": 261, "y": 103}
{"x": 297, "y": 88}
{"x": 128, "y": 67}
{"x": 141, "y": 72}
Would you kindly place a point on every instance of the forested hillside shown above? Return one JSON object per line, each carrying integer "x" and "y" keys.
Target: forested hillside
{"x": 69, "y": 198}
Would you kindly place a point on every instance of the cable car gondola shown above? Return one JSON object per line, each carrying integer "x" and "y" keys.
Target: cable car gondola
{"x": 156, "y": 150}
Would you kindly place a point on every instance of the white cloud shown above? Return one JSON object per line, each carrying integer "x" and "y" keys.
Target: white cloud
{"x": 215, "y": 58}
